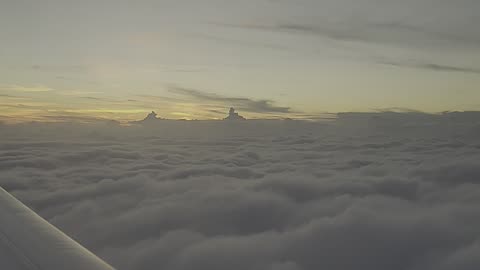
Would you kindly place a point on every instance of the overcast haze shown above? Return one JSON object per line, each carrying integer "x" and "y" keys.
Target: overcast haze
{"x": 119, "y": 59}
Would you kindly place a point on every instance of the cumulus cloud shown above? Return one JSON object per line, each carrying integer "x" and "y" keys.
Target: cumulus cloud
{"x": 396, "y": 191}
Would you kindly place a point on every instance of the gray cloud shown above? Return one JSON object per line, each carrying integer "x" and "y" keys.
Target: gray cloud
{"x": 390, "y": 33}
{"x": 244, "y": 104}
{"x": 407, "y": 23}
{"x": 432, "y": 67}
{"x": 365, "y": 30}
{"x": 60, "y": 68}
{"x": 378, "y": 33}
{"x": 397, "y": 191}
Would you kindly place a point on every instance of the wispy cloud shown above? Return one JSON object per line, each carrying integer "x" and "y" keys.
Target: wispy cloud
{"x": 397, "y": 110}
{"x": 387, "y": 32}
{"x": 432, "y": 67}
{"x": 94, "y": 98}
{"x": 336, "y": 32}
{"x": 6, "y": 96}
{"x": 80, "y": 93}
{"x": 71, "y": 118}
{"x": 242, "y": 103}
{"x": 21, "y": 88}
{"x": 60, "y": 68}
{"x": 246, "y": 43}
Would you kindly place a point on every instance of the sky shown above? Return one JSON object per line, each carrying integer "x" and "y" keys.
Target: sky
{"x": 268, "y": 58}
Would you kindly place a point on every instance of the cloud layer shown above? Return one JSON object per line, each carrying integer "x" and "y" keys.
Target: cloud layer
{"x": 379, "y": 191}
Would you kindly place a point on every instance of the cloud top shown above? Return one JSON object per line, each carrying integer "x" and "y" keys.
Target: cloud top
{"x": 394, "y": 191}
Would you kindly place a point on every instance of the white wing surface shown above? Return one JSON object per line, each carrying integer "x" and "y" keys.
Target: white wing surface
{"x": 28, "y": 242}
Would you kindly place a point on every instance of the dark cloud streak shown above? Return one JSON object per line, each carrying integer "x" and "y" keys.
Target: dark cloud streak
{"x": 375, "y": 33}
{"x": 245, "y": 104}
{"x": 433, "y": 67}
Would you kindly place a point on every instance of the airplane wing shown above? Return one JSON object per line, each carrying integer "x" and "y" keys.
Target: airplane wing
{"x": 28, "y": 242}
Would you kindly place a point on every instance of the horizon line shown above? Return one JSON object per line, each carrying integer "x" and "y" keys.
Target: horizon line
{"x": 85, "y": 119}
